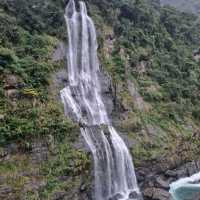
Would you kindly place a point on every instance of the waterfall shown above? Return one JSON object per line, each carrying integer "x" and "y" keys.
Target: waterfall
{"x": 186, "y": 188}
{"x": 113, "y": 167}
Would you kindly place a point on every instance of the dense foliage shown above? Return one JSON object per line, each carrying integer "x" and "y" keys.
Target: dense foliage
{"x": 185, "y": 5}
{"x": 26, "y": 107}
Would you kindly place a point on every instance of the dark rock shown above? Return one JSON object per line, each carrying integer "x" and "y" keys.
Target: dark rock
{"x": 171, "y": 173}
{"x": 181, "y": 172}
{"x": 117, "y": 196}
{"x": 58, "y": 196}
{"x": 12, "y": 148}
{"x": 83, "y": 188}
{"x": 39, "y": 152}
{"x": 162, "y": 183}
{"x": 63, "y": 178}
{"x": 133, "y": 195}
{"x": 106, "y": 88}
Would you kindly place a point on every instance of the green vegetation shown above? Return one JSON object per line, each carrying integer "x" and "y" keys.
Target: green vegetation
{"x": 158, "y": 45}
{"x": 27, "y": 108}
{"x": 151, "y": 46}
{"x": 184, "y": 5}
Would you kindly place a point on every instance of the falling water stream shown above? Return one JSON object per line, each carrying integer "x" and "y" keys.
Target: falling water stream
{"x": 82, "y": 98}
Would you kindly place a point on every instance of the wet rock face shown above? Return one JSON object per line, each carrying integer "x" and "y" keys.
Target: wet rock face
{"x": 60, "y": 52}
{"x": 117, "y": 196}
{"x": 106, "y": 87}
{"x": 134, "y": 195}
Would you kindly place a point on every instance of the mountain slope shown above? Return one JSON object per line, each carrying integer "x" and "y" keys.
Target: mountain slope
{"x": 184, "y": 5}
{"x": 148, "y": 52}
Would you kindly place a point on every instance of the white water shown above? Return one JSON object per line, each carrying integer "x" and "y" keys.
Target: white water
{"x": 186, "y": 188}
{"x": 82, "y": 99}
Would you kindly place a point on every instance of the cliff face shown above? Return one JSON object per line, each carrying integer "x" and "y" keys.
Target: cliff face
{"x": 152, "y": 90}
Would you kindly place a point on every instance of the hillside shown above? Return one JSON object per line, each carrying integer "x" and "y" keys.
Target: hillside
{"x": 192, "y": 6}
{"x": 150, "y": 55}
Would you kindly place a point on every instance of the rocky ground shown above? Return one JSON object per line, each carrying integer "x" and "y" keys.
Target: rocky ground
{"x": 27, "y": 177}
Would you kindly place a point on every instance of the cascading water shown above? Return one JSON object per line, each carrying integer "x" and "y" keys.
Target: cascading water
{"x": 114, "y": 171}
{"x": 186, "y": 188}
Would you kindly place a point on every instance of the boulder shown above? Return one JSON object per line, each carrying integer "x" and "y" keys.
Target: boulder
{"x": 117, "y": 196}
{"x": 160, "y": 194}
{"x": 39, "y": 152}
{"x": 5, "y": 192}
{"x": 11, "y": 82}
{"x": 134, "y": 195}
{"x": 2, "y": 117}
{"x": 58, "y": 196}
{"x": 162, "y": 183}
{"x": 156, "y": 194}
{"x": 12, "y": 93}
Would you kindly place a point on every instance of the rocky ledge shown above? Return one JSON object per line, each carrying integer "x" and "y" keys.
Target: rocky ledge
{"x": 154, "y": 181}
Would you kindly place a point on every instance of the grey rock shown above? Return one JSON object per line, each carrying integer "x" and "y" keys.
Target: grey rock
{"x": 192, "y": 168}
{"x": 156, "y": 194}
{"x": 162, "y": 183}
{"x": 63, "y": 178}
{"x": 11, "y": 82}
{"x": 161, "y": 194}
{"x": 60, "y": 52}
{"x": 12, "y": 93}
{"x": 39, "y": 152}
{"x": 171, "y": 173}
{"x": 2, "y": 117}
{"x": 58, "y": 196}
{"x": 60, "y": 79}
{"x": 106, "y": 88}
{"x": 117, "y": 196}
{"x": 5, "y": 191}
{"x": 2, "y": 179}
{"x": 148, "y": 193}
{"x": 139, "y": 103}
{"x": 12, "y": 148}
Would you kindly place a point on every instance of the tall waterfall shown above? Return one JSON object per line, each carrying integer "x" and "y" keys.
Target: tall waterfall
{"x": 114, "y": 171}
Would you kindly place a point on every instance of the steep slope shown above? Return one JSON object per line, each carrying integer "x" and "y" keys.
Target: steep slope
{"x": 151, "y": 55}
